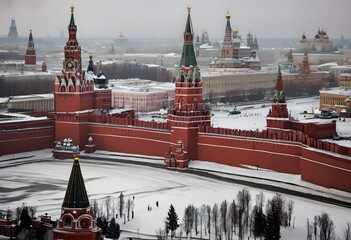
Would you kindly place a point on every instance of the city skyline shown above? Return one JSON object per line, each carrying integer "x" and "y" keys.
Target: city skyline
{"x": 166, "y": 19}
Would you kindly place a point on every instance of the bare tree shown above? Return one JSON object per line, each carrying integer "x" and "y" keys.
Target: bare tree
{"x": 8, "y": 214}
{"x": 243, "y": 199}
{"x": 32, "y": 210}
{"x": 161, "y": 234}
{"x": 290, "y": 209}
{"x": 196, "y": 222}
{"x": 129, "y": 204}
{"x": 326, "y": 227}
{"x": 202, "y": 219}
{"x": 315, "y": 227}
{"x": 223, "y": 214}
{"x": 309, "y": 229}
{"x": 233, "y": 217}
{"x": 208, "y": 208}
{"x": 189, "y": 219}
{"x": 121, "y": 204}
{"x": 18, "y": 212}
{"x": 113, "y": 202}
{"x": 108, "y": 205}
{"x": 215, "y": 218}
{"x": 95, "y": 208}
{"x": 347, "y": 232}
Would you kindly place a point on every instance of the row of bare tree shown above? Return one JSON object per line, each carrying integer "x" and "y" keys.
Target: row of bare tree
{"x": 112, "y": 207}
{"x": 322, "y": 227}
{"x": 236, "y": 217}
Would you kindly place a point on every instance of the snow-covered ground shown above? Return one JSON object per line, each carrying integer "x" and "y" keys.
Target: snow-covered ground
{"x": 38, "y": 180}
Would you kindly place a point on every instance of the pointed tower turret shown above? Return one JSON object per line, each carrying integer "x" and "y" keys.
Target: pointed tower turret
{"x": 188, "y": 55}
{"x": 290, "y": 56}
{"x": 227, "y": 46}
{"x": 11, "y": 43}
{"x": 305, "y": 65}
{"x": 77, "y": 220}
{"x": 30, "y": 58}
{"x": 90, "y": 68}
{"x": 100, "y": 80}
{"x": 188, "y": 111}
{"x": 279, "y": 93}
{"x": 278, "y": 116}
{"x": 72, "y": 79}
{"x": 76, "y": 194}
{"x": 73, "y": 61}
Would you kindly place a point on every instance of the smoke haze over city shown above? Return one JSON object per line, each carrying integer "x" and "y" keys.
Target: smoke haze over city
{"x": 166, "y": 18}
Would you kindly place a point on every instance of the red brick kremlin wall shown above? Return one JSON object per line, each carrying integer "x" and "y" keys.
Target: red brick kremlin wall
{"x": 322, "y": 163}
{"x": 24, "y": 136}
{"x": 283, "y": 151}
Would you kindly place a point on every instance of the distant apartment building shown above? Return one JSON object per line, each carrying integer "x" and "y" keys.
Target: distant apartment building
{"x": 15, "y": 83}
{"x": 320, "y": 58}
{"x": 141, "y": 95}
{"x": 230, "y": 84}
{"x": 239, "y": 84}
{"x": 339, "y": 98}
{"x": 34, "y": 102}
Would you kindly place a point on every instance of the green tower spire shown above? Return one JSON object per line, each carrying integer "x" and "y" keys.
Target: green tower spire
{"x": 76, "y": 195}
{"x": 188, "y": 54}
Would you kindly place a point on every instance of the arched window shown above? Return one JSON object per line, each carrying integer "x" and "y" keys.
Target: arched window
{"x": 195, "y": 105}
{"x": 84, "y": 223}
{"x": 67, "y": 221}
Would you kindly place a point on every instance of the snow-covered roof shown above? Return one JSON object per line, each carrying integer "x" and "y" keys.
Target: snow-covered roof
{"x": 11, "y": 73}
{"x": 329, "y": 64}
{"x": 338, "y": 91}
{"x": 253, "y": 59}
{"x": 32, "y": 97}
{"x": 140, "y": 86}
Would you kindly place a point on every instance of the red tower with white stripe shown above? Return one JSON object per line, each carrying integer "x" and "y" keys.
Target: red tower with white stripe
{"x": 278, "y": 117}
{"x": 189, "y": 112}
{"x": 30, "y": 58}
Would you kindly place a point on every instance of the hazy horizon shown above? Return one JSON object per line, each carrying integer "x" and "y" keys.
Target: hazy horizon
{"x": 166, "y": 18}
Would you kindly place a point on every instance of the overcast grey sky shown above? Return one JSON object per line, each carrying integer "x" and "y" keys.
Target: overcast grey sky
{"x": 166, "y": 18}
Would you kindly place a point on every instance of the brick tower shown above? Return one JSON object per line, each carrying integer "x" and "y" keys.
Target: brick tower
{"x": 305, "y": 65}
{"x": 278, "y": 116}
{"x": 227, "y": 47}
{"x": 74, "y": 93}
{"x": 30, "y": 58}
{"x": 76, "y": 221}
{"x": 189, "y": 111}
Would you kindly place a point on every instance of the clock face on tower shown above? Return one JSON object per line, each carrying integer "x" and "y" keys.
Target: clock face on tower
{"x": 69, "y": 63}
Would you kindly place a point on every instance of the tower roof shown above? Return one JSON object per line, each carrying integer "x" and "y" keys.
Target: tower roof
{"x": 76, "y": 195}
{"x": 71, "y": 23}
{"x": 228, "y": 26}
{"x": 188, "y": 55}
{"x": 13, "y": 30}
{"x": 30, "y": 39}
{"x": 279, "y": 93}
{"x": 91, "y": 63}
{"x": 188, "y": 26}
{"x": 279, "y": 83}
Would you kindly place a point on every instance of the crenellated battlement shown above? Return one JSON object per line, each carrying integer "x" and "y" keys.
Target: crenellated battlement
{"x": 92, "y": 118}
{"x": 281, "y": 135}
